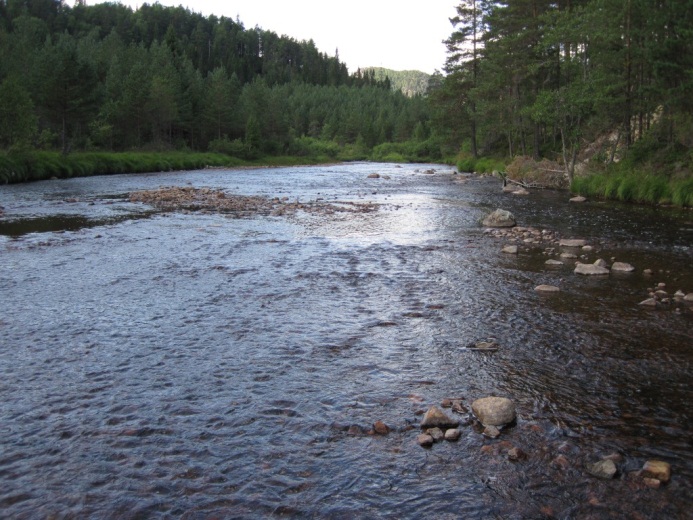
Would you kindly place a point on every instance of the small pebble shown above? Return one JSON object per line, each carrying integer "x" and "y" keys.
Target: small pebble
{"x": 424, "y": 440}
{"x": 381, "y": 428}
{"x": 436, "y": 434}
{"x": 452, "y": 434}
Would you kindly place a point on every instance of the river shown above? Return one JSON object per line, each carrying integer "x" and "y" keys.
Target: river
{"x": 194, "y": 365}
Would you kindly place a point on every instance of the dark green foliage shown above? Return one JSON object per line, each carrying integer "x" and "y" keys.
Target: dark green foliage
{"x": 17, "y": 118}
{"x": 483, "y": 165}
{"x": 548, "y": 79}
{"x": 630, "y": 186}
{"x": 25, "y": 166}
{"x": 109, "y": 79}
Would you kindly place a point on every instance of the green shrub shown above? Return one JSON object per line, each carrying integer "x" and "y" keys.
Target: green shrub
{"x": 682, "y": 192}
{"x": 311, "y": 147}
{"x": 467, "y": 165}
{"x": 632, "y": 186}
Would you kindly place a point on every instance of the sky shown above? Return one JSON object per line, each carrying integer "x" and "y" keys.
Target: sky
{"x": 395, "y": 34}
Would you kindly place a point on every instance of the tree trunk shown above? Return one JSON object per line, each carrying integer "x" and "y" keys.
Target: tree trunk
{"x": 613, "y": 150}
{"x": 63, "y": 134}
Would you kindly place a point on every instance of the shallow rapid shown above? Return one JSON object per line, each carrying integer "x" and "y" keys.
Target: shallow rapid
{"x": 198, "y": 365}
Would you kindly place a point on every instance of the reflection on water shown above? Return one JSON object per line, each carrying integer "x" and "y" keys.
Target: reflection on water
{"x": 201, "y": 366}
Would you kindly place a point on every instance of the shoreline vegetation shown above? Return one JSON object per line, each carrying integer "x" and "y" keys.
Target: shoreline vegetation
{"x": 18, "y": 167}
{"x": 611, "y": 184}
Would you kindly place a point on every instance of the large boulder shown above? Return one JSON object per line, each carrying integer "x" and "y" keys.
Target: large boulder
{"x": 500, "y": 218}
{"x": 494, "y": 411}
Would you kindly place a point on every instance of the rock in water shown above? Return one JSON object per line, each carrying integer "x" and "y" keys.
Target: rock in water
{"x": 436, "y": 418}
{"x": 590, "y": 269}
{"x": 511, "y": 250}
{"x": 657, "y": 469}
{"x": 491, "y": 432}
{"x": 605, "y": 469}
{"x": 494, "y": 411}
{"x": 622, "y": 267}
{"x": 424, "y": 440}
{"x": 452, "y": 434}
{"x": 516, "y": 454}
{"x": 500, "y": 218}
{"x": 572, "y": 242}
{"x": 381, "y": 428}
{"x": 436, "y": 433}
{"x": 600, "y": 262}
{"x": 553, "y": 262}
{"x": 579, "y": 198}
{"x": 546, "y": 288}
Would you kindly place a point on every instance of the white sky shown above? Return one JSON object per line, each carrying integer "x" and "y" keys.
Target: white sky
{"x": 395, "y": 34}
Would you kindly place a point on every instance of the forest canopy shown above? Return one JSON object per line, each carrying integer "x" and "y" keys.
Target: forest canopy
{"x": 571, "y": 80}
{"x": 105, "y": 77}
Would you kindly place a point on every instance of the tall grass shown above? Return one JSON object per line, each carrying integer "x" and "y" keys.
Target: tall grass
{"x": 636, "y": 187}
{"x": 34, "y": 166}
{"x": 481, "y": 165}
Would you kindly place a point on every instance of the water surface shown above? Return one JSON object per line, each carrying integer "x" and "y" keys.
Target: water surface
{"x": 170, "y": 365}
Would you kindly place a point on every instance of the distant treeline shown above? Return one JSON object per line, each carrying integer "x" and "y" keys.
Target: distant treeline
{"x": 410, "y": 82}
{"x": 105, "y": 77}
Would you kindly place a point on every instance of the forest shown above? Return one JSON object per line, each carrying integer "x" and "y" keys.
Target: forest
{"x": 105, "y": 78}
{"x": 594, "y": 86}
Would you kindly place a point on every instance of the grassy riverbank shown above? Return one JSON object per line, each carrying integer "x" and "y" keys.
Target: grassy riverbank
{"x": 640, "y": 187}
{"x": 36, "y": 166}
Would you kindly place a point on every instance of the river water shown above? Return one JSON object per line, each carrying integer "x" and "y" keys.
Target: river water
{"x": 195, "y": 365}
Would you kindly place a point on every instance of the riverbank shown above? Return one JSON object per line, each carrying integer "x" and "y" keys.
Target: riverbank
{"x": 641, "y": 188}
{"x": 36, "y": 166}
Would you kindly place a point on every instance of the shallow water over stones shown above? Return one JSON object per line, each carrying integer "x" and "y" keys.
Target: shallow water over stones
{"x": 197, "y": 365}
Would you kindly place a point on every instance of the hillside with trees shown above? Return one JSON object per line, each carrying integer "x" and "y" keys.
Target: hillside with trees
{"x": 107, "y": 78}
{"x": 584, "y": 83}
{"x": 410, "y": 82}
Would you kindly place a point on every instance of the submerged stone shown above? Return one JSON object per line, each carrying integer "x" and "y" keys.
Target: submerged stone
{"x": 452, "y": 434}
{"x": 424, "y": 440}
{"x": 622, "y": 267}
{"x": 494, "y": 411}
{"x": 605, "y": 469}
{"x": 572, "y": 242}
{"x": 547, "y": 288}
{"x": 381, "y": 428}
{"x": 436, "y": 433}
{"x": 590, "y": 270}
{"x": 435, "y": 417}
{"x": 657, "y": 469}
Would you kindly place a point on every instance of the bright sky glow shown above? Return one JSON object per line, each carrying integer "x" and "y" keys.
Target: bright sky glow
{"x": 395, "y": 34}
